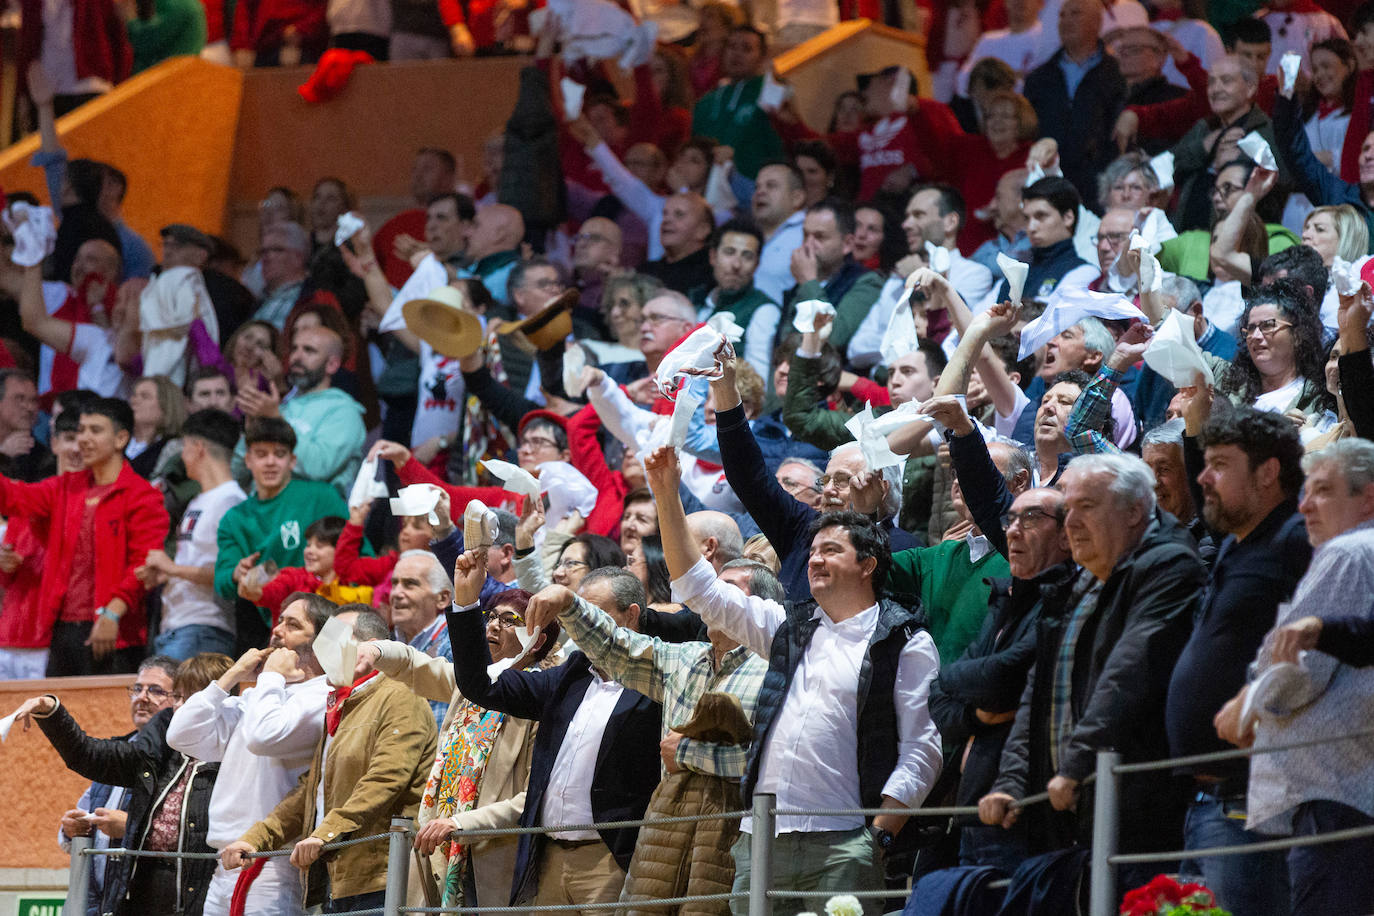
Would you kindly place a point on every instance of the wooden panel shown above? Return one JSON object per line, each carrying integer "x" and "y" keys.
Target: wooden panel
{"x": 35, "y": 783}
{"x": 823, "y": 67}
{"x": 170, "y": 129}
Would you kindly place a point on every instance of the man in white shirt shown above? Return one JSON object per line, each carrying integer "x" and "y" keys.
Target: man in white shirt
{"x": 263, "y": 741}
{"x": 842, "y": 719}
{"x": 939, "y": 211}
{"x": 194, "y": 618}
{"x": 90, "y": 344}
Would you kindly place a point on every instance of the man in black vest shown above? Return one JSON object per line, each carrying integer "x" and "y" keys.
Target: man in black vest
{"x": 842, "y": 719}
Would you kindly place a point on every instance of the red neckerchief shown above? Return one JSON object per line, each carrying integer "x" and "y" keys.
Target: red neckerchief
{"x": 333, "y": 707}
{"x": 238, "y": 903}
{"x": 1325, "y": 108}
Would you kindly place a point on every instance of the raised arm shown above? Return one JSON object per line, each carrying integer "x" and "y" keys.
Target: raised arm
{"x": 1228, "y": 261}
{"x": 33, "y": 314}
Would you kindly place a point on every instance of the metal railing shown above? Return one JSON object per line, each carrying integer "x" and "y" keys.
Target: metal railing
{"x": 1103, "y": 897}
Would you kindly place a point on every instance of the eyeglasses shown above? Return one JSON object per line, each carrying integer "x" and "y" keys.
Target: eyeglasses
{"x": 1112, "y": 238}
{"x": 570, "y": 564}
{"x": 650, "y": 318}
{"x": 1028, "y": 517}
{"x": 546, "y": 283}
{"x": 590, "y": 238}
{"x": 536, "y": 442}
{"x": 1267, "y": 328}
{"x": 507, "y": 620}
{"x": 157, "y": 693}
{"x": 1227, "y": 189}
{"x": 796, "y": 486}
{"x": 840, "y": 479}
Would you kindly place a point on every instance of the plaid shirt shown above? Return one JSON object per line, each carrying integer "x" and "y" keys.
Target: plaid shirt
{"x": 674, "y": 674}
{"x": 1062, "y": 715}
{"x": 1090, "y": 414}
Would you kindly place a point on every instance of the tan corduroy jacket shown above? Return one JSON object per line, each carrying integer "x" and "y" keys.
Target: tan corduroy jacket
{"x": 375, "y": 770}
{"x": 501, "y": 795}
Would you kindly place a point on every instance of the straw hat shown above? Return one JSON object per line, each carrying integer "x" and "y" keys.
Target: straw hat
{"x": 443, "y": 320}
{"x": 548, "y": 327}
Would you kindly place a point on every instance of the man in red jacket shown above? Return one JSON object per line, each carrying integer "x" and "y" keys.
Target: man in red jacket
{"x": 97, "y": 525}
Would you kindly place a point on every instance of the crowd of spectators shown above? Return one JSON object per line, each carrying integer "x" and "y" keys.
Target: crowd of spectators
{"x": 1017, "y": 413}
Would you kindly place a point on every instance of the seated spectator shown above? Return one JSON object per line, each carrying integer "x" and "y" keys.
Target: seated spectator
{"x": 22, "y": 456}
{"x": 1051, "y": 207}
{"x": 686, "y": 228}
{"x": 251, "y": 352}
{"x": 734, "y": 254}
{"x": 159, "y": 412}
{"x": 285, "y": 254}
{"x": 978, "y": 162}
{"x": 169, "y": 796}
{"x": 825, "y": 270}
{"x": 371, "y": 767}
{"x": 730, "y": 114}
{"x": 317, "y": 576}
{"x": 82, "y": 333}
{"x": 263, "y": 739}
{"x": 1022, "y": 45}
{"x": 777, "y": 207}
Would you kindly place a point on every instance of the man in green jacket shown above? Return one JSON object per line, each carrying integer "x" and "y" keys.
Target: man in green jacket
{"x": 271, "y": 523}
{"x": 731, "y": 115}
{"x": 328, "y": 423}
{"x": 735, "y": 248}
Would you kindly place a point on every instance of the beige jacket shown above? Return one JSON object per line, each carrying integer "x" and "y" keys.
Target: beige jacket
{"x": 500, "y": 797}
{"x": 375, "y": 769}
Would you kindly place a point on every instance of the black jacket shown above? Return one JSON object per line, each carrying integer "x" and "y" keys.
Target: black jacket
{"x": 991, "y": 674}
{"x": 627, "y": 767}
{"x": 1082, "y": 125}
{"x": 149, "y": 768}
{"x": 1121, "y": 669}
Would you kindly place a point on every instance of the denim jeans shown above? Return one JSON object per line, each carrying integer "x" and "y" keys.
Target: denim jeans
{"x": 1254, "y": 885}
{"x": 1333, "y": 879}
{"x": 358, "y": 902}
{"x": 192, "y": 639}
{"x": 980, "y": 844}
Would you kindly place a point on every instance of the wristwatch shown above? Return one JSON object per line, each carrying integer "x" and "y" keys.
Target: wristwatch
{"x": 443, "y": 443}
{"x": 882, "y": 837}
{"x": 108, "y": 614}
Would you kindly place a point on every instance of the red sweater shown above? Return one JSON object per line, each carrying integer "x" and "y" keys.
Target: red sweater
{"x": 100, "y": 40}
{"x": 351, "y": 566}
{"x": 21, "y": 624}
{"x": 129, "y": 521}
{"x": 413, "y": 472}
{"x": 261, "y": 23}
{"x": 1171, "y": 120}
{"x": 588, "y": 458}
{"x": 975, "y": 170}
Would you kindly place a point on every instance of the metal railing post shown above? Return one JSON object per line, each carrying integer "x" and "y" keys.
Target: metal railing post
{"x": 1102, "y": 898}
{"x": 79, "y": 877}
{"x": 761, "y": 855}
{"x": 397, "y": 866}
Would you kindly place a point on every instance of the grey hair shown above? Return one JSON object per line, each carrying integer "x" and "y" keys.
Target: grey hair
{"x": 711, "y": 524}
{"x": 1018, "y": 460}
{"x": 435, "y": 576}
{"x": 1132, "y": 481}
{"x": 505, "y": 527}
{"x": 763, "y": 582}
{"x": 625, "y": 586}
{"x": 370, "y": 625}
{"x": 892, "y": 503}
{"x": 164, "y": 663}
{"x": 1122, "y": 166}
{"x": 802, "y": 462}
{"x": 1096, "y": 337}
{"x": 293, "y": 234}
{"x": 1353, "y": 457}
{"x": 1182, "y": 290}
{"x": 1169, "y": 433}
{"x": 680, "y": 303}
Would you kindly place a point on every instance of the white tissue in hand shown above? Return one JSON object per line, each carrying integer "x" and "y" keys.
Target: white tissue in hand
{"x": 572, "y": 97}
{"x": 347, "y": 227}
{"x": 1346, "y": 276}
{"x": 417, "y": 499}
{"x": 6, "y": 724}
{"x": 34, "y": 231}
{"x": 724, "y": 323}
{"x": 673, "y": 431}
{"x": 366, "y": 486}
{"x": 899, "y": 337}
{"x": 805, "y": 321}
{"x": 1257, "y": 148}
{"x": 873, "y": 444}
{"x": 937, "y": 256}
{"x": 1034, "y": 172}
{"x": 901, "y": 90}
{"x": 719, "y": 194}
{"x": 1173, "y": 351}
{"x": 699, "y": 354}
{"x": 1163, "y": 166}
{"x": 514, "y": 479}
{"x": 574, "y": 361}
{"x": 480, "y": 525}
{"x": 773, "y": 93}
{"x": 526, "y": 639}
{"x": 336, "y": 650}
{"x": 898, "y": 417}
{"x": 1151, "y": 274}
{"x": 1289, "y": 65}
{"x": 568, "y": 491}
{"x": 1067, "y": 308}
{"x": 1015, "y": 271}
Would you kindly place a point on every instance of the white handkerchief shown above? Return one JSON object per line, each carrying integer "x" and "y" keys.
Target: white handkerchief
{"x": 514, "y": 479}
{"x": 337, "y": 651}
{"x": 417, "y": 499}
{"x": 640, "y": 48}
{"x": 6, "y": 724}
{"x": 1163, "y": 165}
{"x": 807, "y": 312}
{"x": 899, "y": 337}
{"x": 1346, "y": 276}
{"x": 773, "y": 93}
{"x": 568, "y": 491}
{"x": 673, "y": 431}
{"x": 347, "y": 227}
{"x": 937, "y": 256}
{"x": 1289, "y": 65}
{"x": 480, "y": 525}
{"x": 1151, "y": 274}
{"x": 898, "y": 417}
{"x": 1257, "y": 148}
{"x": 724, "y": 323}
{"x": 572, "y": 97}
{"x": 1173, "y": 351}
{"x": 1067, "y": 308}
{"x": 901, "y": 89}
{"x": 574, "y": 361}
{"x": 871, "y": 441}
{"x": 719, "y": 194}
{"x": 1034, "y": 172}
{"x": 34, "y": 230}
{"x": 527, "y": 639}
{"x": 366, "y": 486}
{"x": 694, "y": 356}
{"x": 1015, "y": 271}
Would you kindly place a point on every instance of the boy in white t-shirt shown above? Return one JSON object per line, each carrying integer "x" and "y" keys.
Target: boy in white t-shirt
{"x": 194, "y": 618}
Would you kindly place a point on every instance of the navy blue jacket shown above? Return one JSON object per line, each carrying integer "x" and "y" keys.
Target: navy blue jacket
{"x": 627, "y": 766}
{"x": 1081, "y": 123}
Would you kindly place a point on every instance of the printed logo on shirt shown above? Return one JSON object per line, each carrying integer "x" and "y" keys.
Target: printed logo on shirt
{"x": 1046, "y": 288}
{"x": 881, "y": 134}
{"x": 291, "y": 535}
{"x": 188, "y": 524}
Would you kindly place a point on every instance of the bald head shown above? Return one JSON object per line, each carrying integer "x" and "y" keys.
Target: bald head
{"x": 687, "y": 224}
{"x": 1080, "y": 22}
{"x": 498, "y": 227}
{"x": 95, "y": 258}
{"x": 598, "y": 243}
{"x": 718, "y": 537}
{"x": 316, "y": 354}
